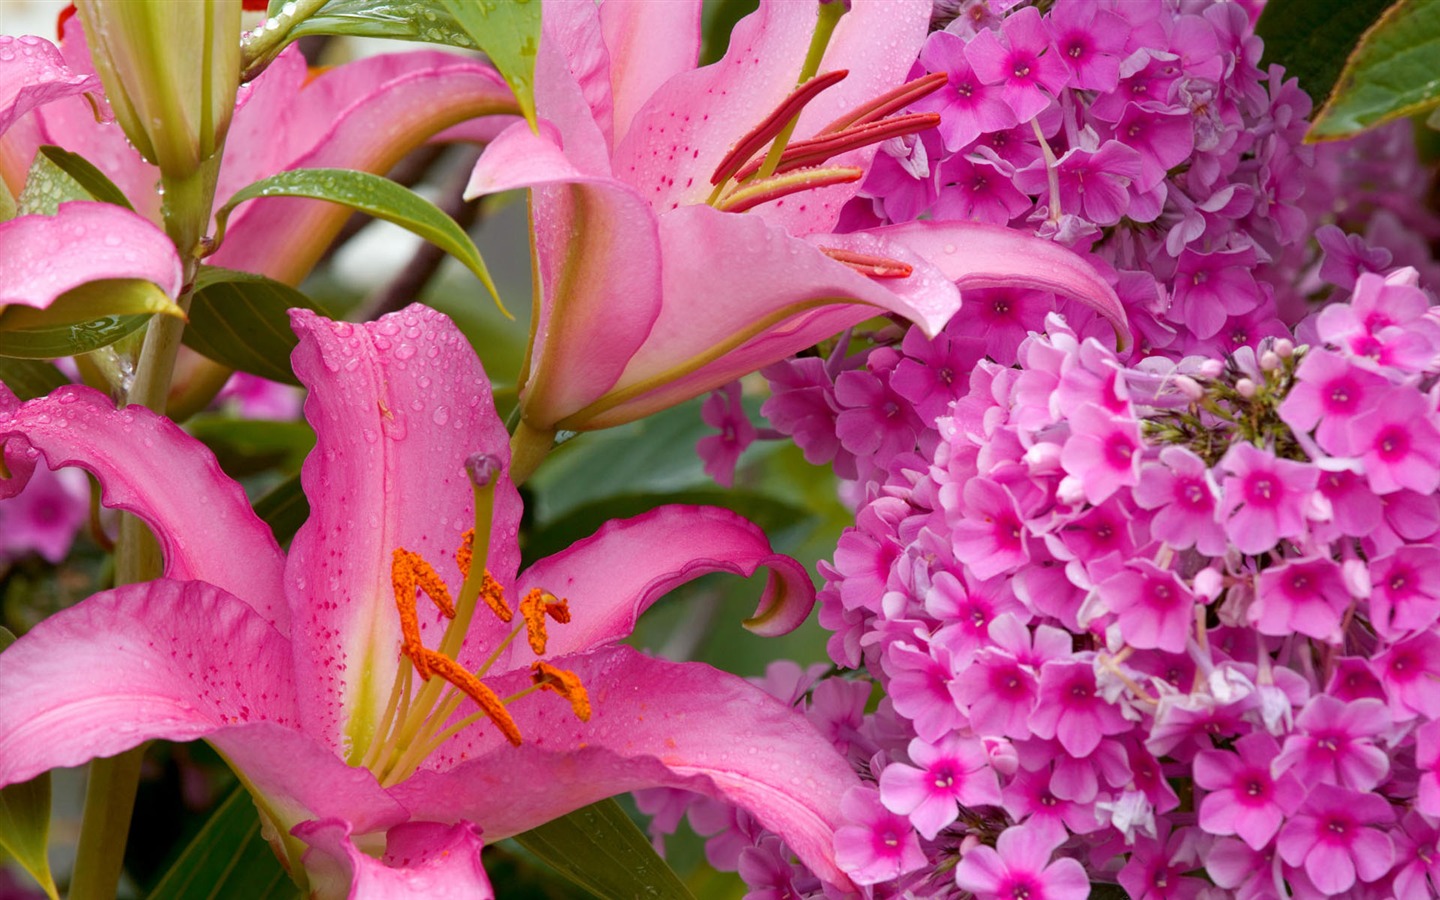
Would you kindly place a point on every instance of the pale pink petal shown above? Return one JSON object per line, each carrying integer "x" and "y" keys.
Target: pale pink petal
{"x": 397, "y": 406}
{"x": 671, "y": 149}
{"x": 599, "y": 261}
{"x": 379, "y": 111}
{"x": 42, "y": 257}
{"x": 176, "y": 660}
{"x": 648, "y": 43}
{"x": 616, "y": 574}
{"x": 422, "y": 860}
{"x": 975, "y": 255}
{"x": 32, "y": 74}
{"x": 572, "y": 82}
{"x": 207, "y": 530}
{"x": 655, "y": 724}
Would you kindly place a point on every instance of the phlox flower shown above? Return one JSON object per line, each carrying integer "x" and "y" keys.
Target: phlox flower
{"x": 1089, "y": 40}
{"x": 979, "y": 188}
{"x": 1408, "y": 672}
{"x": 1155, "y": 608}
{"x": 1384, "y": 322}
{"x": 1416, "y": 875}
{"x": 947, "y": 774}
{"x": 1337, "y": 836}
{"x": 1398, "y": 443}
{"x": 1263, "y": 499}
{"x": 1329, "y": 393}
{"x": 724, "y": 410}
{"x": 1072, "y": 709}
{"x": 1244, "y": 798}
{"x": 1019, "y": 867}
{"x": 1102, "y": 452}
{"x": 1334, "y": 743}
{"x": 880, "y": 845}
{"x": 968, "y": 106}
{"x": 1304, "y": 595}
{"x": 1405, "y": 590}
{"x": 45, "y": 516}
{"x": 1018, "y": 58}
{"x": 988, "y": 535}
{"x": 1157, "y": 866}
{"x": 1182, "y": 490}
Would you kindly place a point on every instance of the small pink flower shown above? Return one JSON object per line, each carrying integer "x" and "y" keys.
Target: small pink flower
{"x": 1103, "y": 451}
{"x": 880, "y": 845}
{"x": 1263, "y": 498}
{"x": 1333, "y": 743}
{"x": 1072, "y": 708}
{"x": 953, "y": 772}
{"x": 1329, "y": 393}
{"x": 1405, "y": 590}
{"x": 1182, "y": 491}
{"x": 1398, "y": 443}
{"x": 724, "y": 410}
{"x": 1155, "y": 608}
{"x": 1017, "y": 60}
{"x": 1244, "y": 799}
{"x": 1018, "y": 867}
{"x": 1304, "y": 595}
{"x": 1337, "y": 837}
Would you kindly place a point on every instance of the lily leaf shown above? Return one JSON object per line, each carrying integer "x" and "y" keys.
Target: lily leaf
{"x": 83, "y": 172}
{"x": 284, "y": 508}
{"x": 93, "y": 300}
{"x": 47, "y": 185}
{"x": 25, "y": 818}
{"x": 601, "y": 849}
{"x": 425, "y": 20}
{"x": 30, "y": 378}
{"x": 1390, "y": 74}
{"x": 375, "y": 196}
{"x": 239, "y": 320}
{"x": 509, "y": 33}
{"x": 1313, "y": 38}
{"x": 248, "y": 446}
{"x": 228, "y": 858}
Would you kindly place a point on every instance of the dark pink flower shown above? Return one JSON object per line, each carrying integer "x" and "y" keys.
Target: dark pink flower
{"x": 1334, "y": 743}
{"x": 1102, "y": 452}
{"x": 1244, "y": 799}
{"x": 1089, "y": 41}
{"x": 1263, "y": 498}
{"x": 1072, "y": 709}
{"x": 1405, "y": 590}
{"x": 1398, "y": 443}
{"x": 1304, "y": 595}
{"x": 1018, "y": 867}
{"x": 988, "y": 536}
{"x": 1337, "y": 837}
{"x": 979, "y": 187}
{"x": 950, "y": 773}
{"x": 1017, "y": 59}
{"x": 1156, "y": 869}
{"x": 1417, "y": 859}
{"x": 1329, "y": 392}
{"x": 968, "y": 106}
{"x": 723, "y": 410}
{"x": 1155, "y": 608}
{"x": 1182, "y": 491}
{"x": 880, "y": 845}
{"x": 1408, "y": 672}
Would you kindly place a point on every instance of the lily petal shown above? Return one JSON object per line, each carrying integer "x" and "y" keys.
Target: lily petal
{"x": 614, "y": 575}
{"x": 974, "y": 255}
{"x": 156, "y": 660}
{"x": 33, "y": 73}
{"x": 598, "y": 256}
{"x": 207, "y": 531}
{"x": 391, "y": 106}
{"x": 422, "y": 860}
{"x": 42, "y": 257}
{"x": 655, "y": 723}
{"x": 18, "y": 458}
{"x": 775, "y": 295}
{"x": 397, "y": 406}
{"x": 649, "y": 43}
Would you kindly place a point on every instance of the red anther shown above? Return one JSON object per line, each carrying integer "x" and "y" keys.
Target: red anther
{"x": 816, "y": 150}
{"x": 868, "y": 264}
{"x": 255, "y": 5}
{"x": 886, "y": 104}
{"x": 66, "y": 15}
{"x": 775, "y": 187}
{"x": 756, "y": 139}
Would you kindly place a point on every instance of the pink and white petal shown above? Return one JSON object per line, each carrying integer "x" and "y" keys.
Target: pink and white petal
{"x": 283, "y": 237}
{"x": 206, "y": 528}
{"x": 422, "y": 860}
{"x": 648, "y": 43}
{"x": 614, "y": 575}
{"x": 177, "y": 660}
{"x": 598, "y": 253}
{"x": 654, "y": 724}
{"x": 397, "y": 405}
{"x": 741, "y": 293}
{"x": 18, "y": 457}
{"x": 572, "y": 83}
{"x": 974, "y": 255}
{"x": 681, "y": 134}
{"x": 42, "y": 257}
{"x": 32, "y": 74}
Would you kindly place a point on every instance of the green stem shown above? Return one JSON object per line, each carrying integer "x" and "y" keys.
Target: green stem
{"x": 528, "y": 449}
{"x": 830, "y": 13}
{"x": 110, "y": 794}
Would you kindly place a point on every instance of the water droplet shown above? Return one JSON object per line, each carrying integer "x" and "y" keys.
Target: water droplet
{"x": 441, "y": 415}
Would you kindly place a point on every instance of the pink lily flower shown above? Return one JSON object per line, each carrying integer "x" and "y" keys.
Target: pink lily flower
{"x": 652, "y": 286}
{"x": 365, "y": 115}
{"x": 347, "y": 700}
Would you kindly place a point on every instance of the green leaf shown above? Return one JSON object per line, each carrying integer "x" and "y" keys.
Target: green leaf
{"x": 408, "y": 20}
{"x": 1312, "y": 38}
{"x": 239, "y": 320}
{"x": 25, "y": 818}
{"x": 68, "y": 340}
{"x": 284, "y": 508}
{"x": 30, "y": 378}
{"x": 106, "y": 298}
{"x": 46, "y": 187}
{"x": 83, "y": 172}
{"x": 1391, "y": 73}
{"x": 375, "y": 196}
{"x": 509, "y": 33}
{"x": 228, "y": 858}
{"x": 599, "y": 848}
{"x": 248, "y": 446}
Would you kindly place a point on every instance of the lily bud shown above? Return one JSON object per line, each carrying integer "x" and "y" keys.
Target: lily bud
{"x": 170, "y": 71}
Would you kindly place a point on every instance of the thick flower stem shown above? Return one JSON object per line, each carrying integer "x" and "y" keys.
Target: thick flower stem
{"x": 528, "y": 448}
{"x": 110, "y": 794}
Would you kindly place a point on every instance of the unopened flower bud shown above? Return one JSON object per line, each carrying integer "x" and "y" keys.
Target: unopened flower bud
{"x": 1246, "y": 388}
{"x": 1212, "y": 368}
{"x": 1189, "y": 387}
{"x": 1269, "y": 361}
{"x": 1284, "y": 348}
{"x": 170, "y": 72}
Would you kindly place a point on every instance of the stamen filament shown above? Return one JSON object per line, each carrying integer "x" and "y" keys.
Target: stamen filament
{"x": 399, "y": 691}
{"x": 1052, "y": 171}
{"x": 867, "y": 264}
{"x": 756, "y": 138}
{"x": 830, "y": 14}
{"x": 763, "y": 190}
{"x": 816, "y": 150}
{"x": 887, "y": 103}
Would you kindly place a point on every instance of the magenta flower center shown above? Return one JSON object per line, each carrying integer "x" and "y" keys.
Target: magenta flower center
{"x": 1262, "y": 489}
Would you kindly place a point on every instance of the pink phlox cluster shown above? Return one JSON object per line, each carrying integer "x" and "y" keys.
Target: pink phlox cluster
{"x": 44, "y": 518}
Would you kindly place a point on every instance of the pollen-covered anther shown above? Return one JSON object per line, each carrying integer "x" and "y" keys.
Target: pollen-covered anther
{"x": 756, "y": 138}
{"x": 868, "y": 264}
{"x": 402, "y": 579}
{"x": 493, "y": 593}
{"x": 816, "y": 150}
{"x": 565, "y": 683}
{"x": 764, "y": 190}
{"x": 488, "y": 701}
{"x": 534, "y": 608}
{"x": 464, "y": 553}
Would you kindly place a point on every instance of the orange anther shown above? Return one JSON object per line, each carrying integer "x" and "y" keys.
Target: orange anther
{"x": 402, "y": 578}
{"x": 462, "y": 553}
{"x": 566, "y": 684}
{"x": 493, "y": 593}
{"x": 429, "y": 581}
{"x": 488, "y": 701}
{"x": 532, "y": 609}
